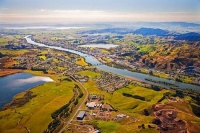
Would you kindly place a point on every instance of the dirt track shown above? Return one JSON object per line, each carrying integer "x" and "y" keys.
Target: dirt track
{"x": 5, "y": 72}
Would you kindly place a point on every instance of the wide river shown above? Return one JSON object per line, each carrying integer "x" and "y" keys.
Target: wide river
{"x": 92, "y": 60}
{"x": 13, "y": 84}
{"x": 107, "y": 46}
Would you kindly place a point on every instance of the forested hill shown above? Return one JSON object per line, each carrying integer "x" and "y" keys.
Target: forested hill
{"x": 151, "y": 31}
{"x": 142, "y": 31}
{"x": 191, "y": 36}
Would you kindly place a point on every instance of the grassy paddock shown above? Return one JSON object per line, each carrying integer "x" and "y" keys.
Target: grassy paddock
{"x": 107, "y": 126}
{"x": 81, "y": 62}
{"x": 89, "y": 73}
{"x": 37, "y": 112}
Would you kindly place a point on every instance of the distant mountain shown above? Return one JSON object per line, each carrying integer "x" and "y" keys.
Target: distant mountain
{"x": 109, "y": 30}
{"x": 151, "y": 31}
{"x": 171, "y": 24}
{"x": 181, "y": 24}
{"x": 191, "y": 36}
{"x": 143, "y": 31}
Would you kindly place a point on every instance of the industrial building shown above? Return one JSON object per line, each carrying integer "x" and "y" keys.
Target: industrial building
{"x": 81, "y": 115}
{"x": 91, "y": 105}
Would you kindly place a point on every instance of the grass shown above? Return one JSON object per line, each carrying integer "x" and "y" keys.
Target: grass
{"x": 106, "y": 59}
{"x": 108, "y": 127}
{"x": 43, "y": 57}
{"x": 147, "y": 48}
{"x": 13, "y": 52}
{"x": 186, "y": 79}
{"x": 56, "y": 38}
{"x": 37, "y": 112}
{"x": 133, "y": 128}
{"x": 105, "y": 51}
{"x": 18, "y": 36}
{"x": 55, "y": 60}
{"x": 131, "y": 105}
{"x": 43, "y": 52}
{"x": 81, "y": 62}
{"x": 3, "y": 41}
{"x": 61, "y": 68}
{"x": 160, "y": 74}
{"x": 89, "y": 73}
{"x": 184, "y": 116}
{"x": 93, "y": 89}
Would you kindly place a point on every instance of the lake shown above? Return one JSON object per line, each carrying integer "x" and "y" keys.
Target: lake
{"x": 107, "y": 46}
{"x": 92, "y": 60}
{"x": 16, "y": 83}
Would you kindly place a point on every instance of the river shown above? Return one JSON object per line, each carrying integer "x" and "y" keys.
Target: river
{"x": 92, "y": 60}
{"x": 13, "y": 84}
{"x": 106, "y": 46}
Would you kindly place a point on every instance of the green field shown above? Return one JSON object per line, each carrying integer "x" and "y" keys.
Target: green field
{"x": 37, "y": 112}
{"x": 131, "y": 105}
{"x": 81, "y": 62}
{"x": 108, "y": 127}
{"x": 89, "y": 73}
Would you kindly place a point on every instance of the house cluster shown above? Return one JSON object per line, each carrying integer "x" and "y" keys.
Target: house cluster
{"x": 81, "y": 78}
{"x": 27, "y": 61}
{"x": 110, "y": 82}
{"x": 55, "y": 62}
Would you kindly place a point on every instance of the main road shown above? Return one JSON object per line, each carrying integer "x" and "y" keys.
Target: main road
{"x": 79, "y": 106}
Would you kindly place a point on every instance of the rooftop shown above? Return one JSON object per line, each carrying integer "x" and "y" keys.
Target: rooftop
{"x": 81, "y": 114}
{"x": 91, "y": 104}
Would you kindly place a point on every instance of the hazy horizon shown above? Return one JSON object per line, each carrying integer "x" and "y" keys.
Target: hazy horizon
{"x": 86, "y": 11}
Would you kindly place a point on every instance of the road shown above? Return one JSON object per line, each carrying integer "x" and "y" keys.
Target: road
{"x": 79, "y": 106}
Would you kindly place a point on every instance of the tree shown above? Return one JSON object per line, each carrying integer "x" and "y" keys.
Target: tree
{"x": 179, "y": 93}
{"x": 146, "y": 113}
{"x": 76, "y": 102}
{"x": 1, "y": 55}
{"x": 143, "y": 126}
{"x": 150, "y": 72}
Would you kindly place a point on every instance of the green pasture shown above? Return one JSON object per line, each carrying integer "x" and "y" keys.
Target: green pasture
{"x": 37, "y": 112}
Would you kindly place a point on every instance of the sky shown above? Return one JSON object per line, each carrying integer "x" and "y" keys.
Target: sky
{"x": 80, "y": 11}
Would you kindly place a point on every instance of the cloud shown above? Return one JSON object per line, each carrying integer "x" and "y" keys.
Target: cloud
{"x": 72, "y": 11}
{"x": 42, "y": 10}
{"x": 35, "y": 79}
{"x": 44, "y": 15}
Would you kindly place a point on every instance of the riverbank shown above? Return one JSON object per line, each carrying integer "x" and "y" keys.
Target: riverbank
{"x": 132, "y": 78}
{"x": 5, "y": 72}
{"x": 146, "y": 71}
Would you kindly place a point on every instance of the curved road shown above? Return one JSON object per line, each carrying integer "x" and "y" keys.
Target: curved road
{"x": 79, "y": 106}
